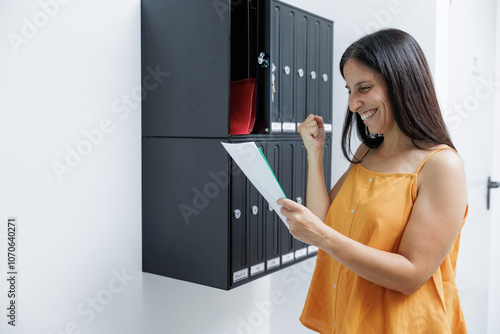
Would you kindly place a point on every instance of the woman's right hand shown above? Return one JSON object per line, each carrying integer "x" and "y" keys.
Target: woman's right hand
{"x": 312, "y": 131}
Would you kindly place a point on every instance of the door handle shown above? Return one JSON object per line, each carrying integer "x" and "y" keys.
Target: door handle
{"x": 491, "y": 185}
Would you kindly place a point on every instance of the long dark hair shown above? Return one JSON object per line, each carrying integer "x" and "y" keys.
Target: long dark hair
{"x": 397, "y": 56}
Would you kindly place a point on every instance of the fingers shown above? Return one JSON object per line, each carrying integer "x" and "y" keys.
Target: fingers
{"x": 311, "y": 125}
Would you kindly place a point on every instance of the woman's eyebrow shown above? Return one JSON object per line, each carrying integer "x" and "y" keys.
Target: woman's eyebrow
{"x": 360, "y": 83}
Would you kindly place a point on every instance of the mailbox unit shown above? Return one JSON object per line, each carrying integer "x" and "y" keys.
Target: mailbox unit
{"x": 203, "y": 221}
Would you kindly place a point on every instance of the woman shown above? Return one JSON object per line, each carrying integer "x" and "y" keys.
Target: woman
{"x": 389, "y": 230}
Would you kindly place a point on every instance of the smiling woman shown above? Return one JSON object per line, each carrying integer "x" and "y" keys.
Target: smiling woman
{"x": 389, "y": 230}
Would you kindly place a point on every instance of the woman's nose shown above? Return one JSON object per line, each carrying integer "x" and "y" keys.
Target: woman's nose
{"x": 354, "y": 103}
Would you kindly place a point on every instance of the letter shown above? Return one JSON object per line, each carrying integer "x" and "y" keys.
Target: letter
{"x": 94, "y": 136}
{"x": 394, "y": 6}
{"x": 255, "y": 319}
{"x": 123, "y": 277}
{"x": 471, "y": 103}
{"x": 243, "y": 325}
{"x": 265, "y": 307}
{"x": 72, "y": 158}
{"x": 92, "y": 302}
{"x": 158, "y": 75}
{"x": 383, "y": 17}
{"x": 479, "y": 95}
{"x": 51, "y": 7}
{"x": 16, "y": 40}
{"x": 81, "y": 312}
{"x": 84, "y": 148}
{"x": 221, "y": 7}
{"x": 294, "y": 281}
{"x": 12, "y": 306}
{"x": 147, "y": 85}
{"x": 490, "y": 84}
{"x": 187, "y": 211}
{"x": 221, "y": 178}
{"x": 112, "y": 288}
{"x": 28, "y": 30}
{"x": 60, "y": 169}
{"x": 44, "y": 19}
{"x": 200, "y": 202}
{"x": 248, "y": 152}
{"x": 104, "y": 297}
{"x": 12, "y": 323}
{"x": 106, "y": 125}
{"x": 72, "y": 328}
{"x": 277, "y": 297}
{"x": 119, "y": 109}
{"x": 211, "y": 193}
{"x": 126, "y": 98}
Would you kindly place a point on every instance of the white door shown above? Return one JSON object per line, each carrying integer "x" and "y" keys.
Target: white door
{"x": 470, "y": 116}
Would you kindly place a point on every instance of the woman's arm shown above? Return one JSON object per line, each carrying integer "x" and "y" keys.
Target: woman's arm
{"x": 312, "y": 131}
{"x": 432, "y": 228}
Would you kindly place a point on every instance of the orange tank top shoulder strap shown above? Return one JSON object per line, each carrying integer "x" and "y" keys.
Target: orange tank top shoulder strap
{"x": 364, "y": 154}
{"x": 430, "y": 155}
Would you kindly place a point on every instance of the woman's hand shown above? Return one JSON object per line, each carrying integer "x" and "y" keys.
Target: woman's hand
{"x": 312, "y": 131}
{"x": 304, "y": 225}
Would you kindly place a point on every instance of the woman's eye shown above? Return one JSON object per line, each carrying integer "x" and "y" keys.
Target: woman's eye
{"x": 365, "y": 89}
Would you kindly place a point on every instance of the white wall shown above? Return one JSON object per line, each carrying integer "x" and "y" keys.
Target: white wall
{"x": 470, "y": 117}
{"x": 79, "y": 240}
{"x": 63, "y": 66}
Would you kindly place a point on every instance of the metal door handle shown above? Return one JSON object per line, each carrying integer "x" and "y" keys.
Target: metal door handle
{"x": 491, "y": 184}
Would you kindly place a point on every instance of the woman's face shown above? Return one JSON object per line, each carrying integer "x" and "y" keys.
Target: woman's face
{"x": 369, "y": 97}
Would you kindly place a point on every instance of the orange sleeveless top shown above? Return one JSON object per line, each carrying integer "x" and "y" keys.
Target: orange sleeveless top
{"x": 373, "y": 208}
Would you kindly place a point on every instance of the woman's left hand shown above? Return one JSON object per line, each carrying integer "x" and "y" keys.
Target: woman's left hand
{"x": 304, "y": 225}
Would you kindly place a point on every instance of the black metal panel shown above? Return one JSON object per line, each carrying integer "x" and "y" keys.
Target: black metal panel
{"x": 313, "y": 66}
{"x": 189, "y": 40}
{"x": 301, "y": 66}
{"x": 185, "y": 188}
{"x": 287, "y": 181}
{"x": 272, "y": 221}
{"x": 276, "y": 35}
{"x": 299, "y": 189}
{"x": 239, "y": 235}
{"x": 255, "y": 217}
{"x": 327, "y": 163}
{"x": 325, "y": 70}
{"x": 287, "y": 66}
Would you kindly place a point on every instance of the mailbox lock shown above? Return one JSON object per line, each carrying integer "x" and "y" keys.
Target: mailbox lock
{"x": 255, "y": 210}
{"x": 300, "y": 72}
{"x": 325, "y": 77}
{"x": 237, "y": 213}
{"x": 287, "y": 70}
{"x": 299, "y": 200}
{"x": 313, "y": 75}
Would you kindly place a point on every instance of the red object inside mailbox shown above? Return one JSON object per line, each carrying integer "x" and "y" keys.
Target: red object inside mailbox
{"x": 243, "y": 106}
